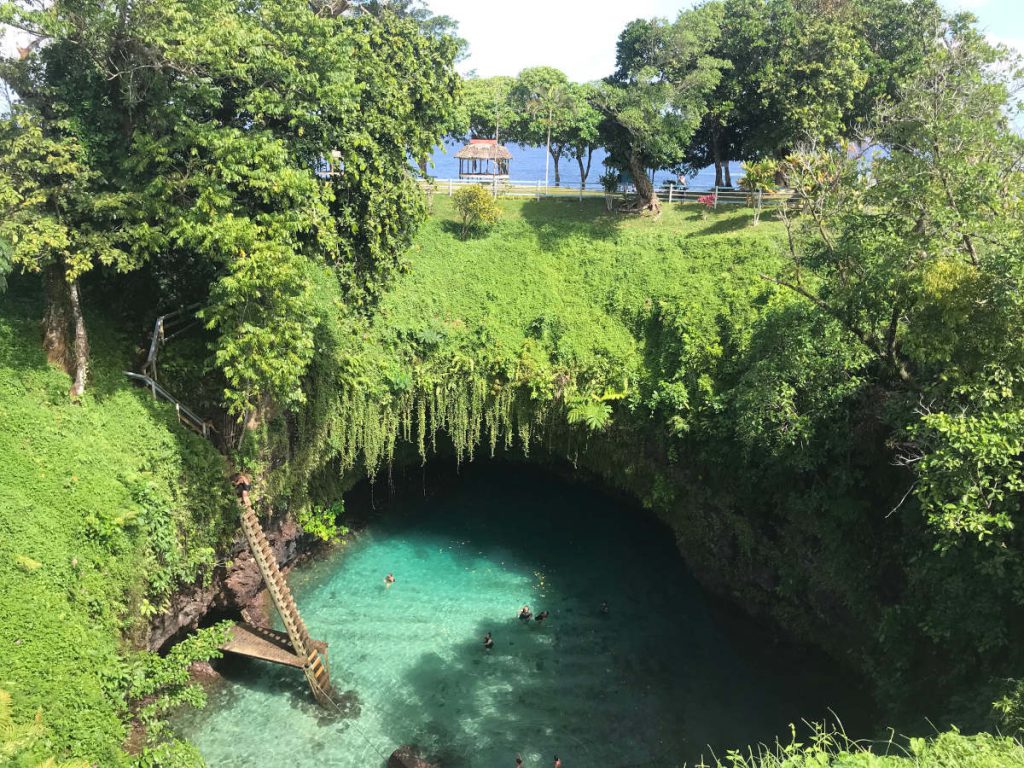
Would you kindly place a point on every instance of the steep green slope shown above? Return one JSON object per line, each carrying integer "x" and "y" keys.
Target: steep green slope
{"x": 550, "y": 313}
{"x": 573, "y": 275}
{"x": 96, "y": 500}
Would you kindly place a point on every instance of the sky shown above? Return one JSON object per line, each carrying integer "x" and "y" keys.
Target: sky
{"x": 578, "y": 36}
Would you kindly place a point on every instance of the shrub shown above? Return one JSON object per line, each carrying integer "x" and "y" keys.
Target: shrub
{"x": 826, "y": 748}
{"x": 759, "y": 178}
{"x": 322, "y": 522}
{"x": 610, "y": 180}
{"x": 707, "y": 202}
{"x": 476, "y": 207}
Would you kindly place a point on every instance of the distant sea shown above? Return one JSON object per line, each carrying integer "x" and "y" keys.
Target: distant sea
{"x": 528, "y": 166}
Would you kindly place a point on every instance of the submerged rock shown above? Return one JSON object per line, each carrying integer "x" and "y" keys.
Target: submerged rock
{"x": 408, "y": 757}
{"x": 203, "y": 671}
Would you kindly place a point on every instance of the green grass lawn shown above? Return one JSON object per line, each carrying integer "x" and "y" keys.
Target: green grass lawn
{"x": 572, "y": 272}
{"x": 95, "y": 499}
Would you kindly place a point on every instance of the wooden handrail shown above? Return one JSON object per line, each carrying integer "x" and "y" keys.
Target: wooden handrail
{"x": 304, "y": 647}
{"x": 185, "y": 414}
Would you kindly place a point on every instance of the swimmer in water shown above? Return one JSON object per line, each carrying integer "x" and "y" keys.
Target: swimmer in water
{"x": 519, "y": 762}
{"x": 604, "y": 607}
{"x": 541, "y": 616}
{"x": 525, "y": 614}
{"x": 488, "y": 642}
{"x": 558, "y": 763}
{"x": 389, "y": 580}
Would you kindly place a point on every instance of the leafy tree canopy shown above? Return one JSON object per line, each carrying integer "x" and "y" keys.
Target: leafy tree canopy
{"x": 917, "y": 253}
{"x": 488, "y": 106}
{"x": 806, "y": 70}
{"x": 656, "y": 99}
{"x": 236, "y": 144}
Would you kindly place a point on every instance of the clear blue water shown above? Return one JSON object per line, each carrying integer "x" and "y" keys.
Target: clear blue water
{"x": 528, "y": 166}
{"x": 662, "y": 675}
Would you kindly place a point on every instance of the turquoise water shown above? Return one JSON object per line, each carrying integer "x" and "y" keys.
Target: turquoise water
{"x": 652, "y": 682}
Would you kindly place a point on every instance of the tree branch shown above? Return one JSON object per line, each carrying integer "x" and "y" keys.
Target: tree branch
{"x": 868, "y": 339}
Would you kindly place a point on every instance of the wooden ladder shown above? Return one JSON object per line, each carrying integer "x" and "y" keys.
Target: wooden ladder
{"x": 309, "y": 652}
{"x": 316, "y": 668}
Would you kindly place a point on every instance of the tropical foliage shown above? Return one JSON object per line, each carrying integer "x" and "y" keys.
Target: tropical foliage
{"x": 175, "y": 123}
{"x": 653, "y": 103}
{"x": 476, "y": 208}
{"x": 108, "y": 509}
{"x": 826, "y": 409}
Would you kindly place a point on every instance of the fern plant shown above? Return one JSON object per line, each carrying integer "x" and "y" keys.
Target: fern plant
{"x": 22, "y": 741}
{"x": 594, "y": 414}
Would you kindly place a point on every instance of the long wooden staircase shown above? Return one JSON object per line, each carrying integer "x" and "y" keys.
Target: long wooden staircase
{"x": 312, "y": 654}
{"x": 294, "y": 648}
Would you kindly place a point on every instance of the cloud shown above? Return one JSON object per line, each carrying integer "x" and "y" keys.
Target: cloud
{"x": 572, "y": 35}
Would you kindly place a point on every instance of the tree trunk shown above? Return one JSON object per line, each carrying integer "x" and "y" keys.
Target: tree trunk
{"x": 716, "y": 153}
{"x": 422, "y": 162}
{"x": 584, "y": 167}
{"x": 646, "y": 199}
{"x": 728, "y": 173}
{"x": 56, "y": 323}
{"x": 556, "y": 156}
{"x": 81, "y": 341}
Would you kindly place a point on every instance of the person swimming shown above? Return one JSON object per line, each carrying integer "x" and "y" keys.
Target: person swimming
{"x": 389, "y": 580}
{"x": 525, "y": 614}
{"x": 542, "y": 615}
{"x": 558, "y": 763}
{"x": 519, "y": 762}
{"x": 488, "y": 642}
{"x": 604, "y": 607}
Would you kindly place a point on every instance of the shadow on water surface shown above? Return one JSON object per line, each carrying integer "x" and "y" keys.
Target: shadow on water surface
{"x": 243, "y": 676}
{"x": 662, "y": 673}
{"x": 648, "y": 684}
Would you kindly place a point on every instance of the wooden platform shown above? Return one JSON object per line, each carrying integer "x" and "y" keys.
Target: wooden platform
{"x": 266, "y": 644}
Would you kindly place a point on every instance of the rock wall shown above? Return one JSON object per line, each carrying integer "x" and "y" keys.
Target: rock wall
{"x": 235, "y": 591}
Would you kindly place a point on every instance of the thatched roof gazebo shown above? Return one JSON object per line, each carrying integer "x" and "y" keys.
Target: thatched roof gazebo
{"x": 483, "y": 159}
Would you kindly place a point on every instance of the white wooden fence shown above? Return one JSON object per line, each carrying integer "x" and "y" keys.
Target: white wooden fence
{"x": 670, "y": 193}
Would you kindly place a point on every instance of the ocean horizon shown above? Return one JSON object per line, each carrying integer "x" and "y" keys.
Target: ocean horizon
{"x": 527, "y": 166}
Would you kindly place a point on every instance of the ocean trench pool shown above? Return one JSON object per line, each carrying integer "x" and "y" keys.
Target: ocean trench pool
{"x": 665, "y": 673}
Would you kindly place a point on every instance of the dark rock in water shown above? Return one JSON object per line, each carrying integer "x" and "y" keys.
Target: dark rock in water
{"x": 408, "y": 757}
{"x": 203, "y": 671}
